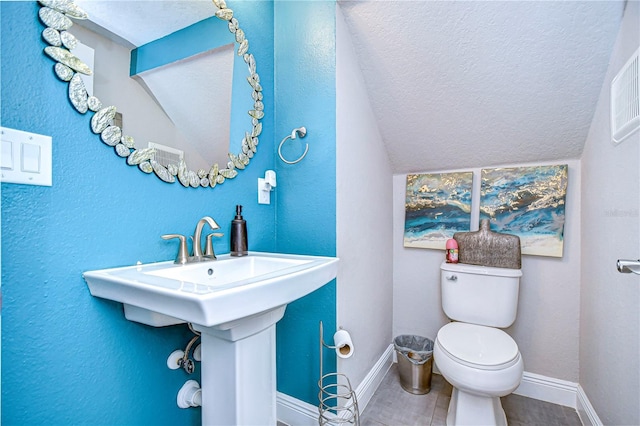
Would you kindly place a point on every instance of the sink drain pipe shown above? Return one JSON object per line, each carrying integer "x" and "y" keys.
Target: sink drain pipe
{"x": 190, "y": 395}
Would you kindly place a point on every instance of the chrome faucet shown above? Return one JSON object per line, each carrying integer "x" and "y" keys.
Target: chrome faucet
{"x": 208, "y": 254}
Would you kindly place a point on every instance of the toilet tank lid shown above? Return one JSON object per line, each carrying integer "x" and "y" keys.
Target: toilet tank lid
{"x": 480, "y": 270}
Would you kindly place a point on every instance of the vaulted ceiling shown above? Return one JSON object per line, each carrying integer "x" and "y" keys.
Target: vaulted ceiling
{"x": 457, "y": 84}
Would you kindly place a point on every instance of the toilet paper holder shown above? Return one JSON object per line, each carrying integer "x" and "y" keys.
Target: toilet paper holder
{"x": 338, "y": 403}
{"x": 341, "y": 342}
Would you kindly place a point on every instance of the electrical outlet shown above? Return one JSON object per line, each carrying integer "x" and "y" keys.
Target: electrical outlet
{"x": 264, "y": 197}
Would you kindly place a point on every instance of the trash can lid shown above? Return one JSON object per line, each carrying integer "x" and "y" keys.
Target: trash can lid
{"x": 478, "y": 345}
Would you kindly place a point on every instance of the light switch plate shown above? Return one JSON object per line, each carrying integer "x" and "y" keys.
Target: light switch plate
{"x": 26, "y": 157}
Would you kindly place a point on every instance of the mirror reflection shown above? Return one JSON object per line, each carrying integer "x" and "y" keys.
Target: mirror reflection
{"x": 175, "y": 93}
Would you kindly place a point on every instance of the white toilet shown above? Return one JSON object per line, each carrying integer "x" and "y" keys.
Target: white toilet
{"x": 481, "y": 362}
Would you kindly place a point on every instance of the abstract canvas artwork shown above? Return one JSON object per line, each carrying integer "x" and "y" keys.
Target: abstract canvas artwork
{"x": 528, "y": 202}
{"x": 437, "y": 206}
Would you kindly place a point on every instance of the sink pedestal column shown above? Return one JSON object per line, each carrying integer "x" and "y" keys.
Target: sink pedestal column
{"x": 239, "y": 370}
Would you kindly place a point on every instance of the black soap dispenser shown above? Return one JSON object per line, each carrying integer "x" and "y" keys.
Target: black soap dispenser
{"x": 239, "y": 246}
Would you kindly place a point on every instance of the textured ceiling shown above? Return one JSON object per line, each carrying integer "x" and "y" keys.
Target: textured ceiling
{"x": 457, "y": 84}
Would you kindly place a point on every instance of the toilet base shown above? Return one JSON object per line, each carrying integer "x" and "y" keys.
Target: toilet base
{"x": 470, "y": 409}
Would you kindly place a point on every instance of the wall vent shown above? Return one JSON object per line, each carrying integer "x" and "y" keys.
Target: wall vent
{"x": 625, "y": 100}
{"x": 166, "y": 155}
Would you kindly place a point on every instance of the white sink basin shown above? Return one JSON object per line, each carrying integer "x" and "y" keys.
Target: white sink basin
{"x": 234, "y": 302}
{"x": 214, "y": 292}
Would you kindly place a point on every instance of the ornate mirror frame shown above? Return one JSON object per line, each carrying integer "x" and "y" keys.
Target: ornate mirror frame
{"x": 56, "y": 14}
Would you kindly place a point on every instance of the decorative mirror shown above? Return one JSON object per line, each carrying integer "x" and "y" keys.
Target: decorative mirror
{"x": 56, "y": 16}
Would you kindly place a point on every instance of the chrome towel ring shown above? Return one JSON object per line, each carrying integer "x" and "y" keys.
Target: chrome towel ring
{"x": 299, "y": 132}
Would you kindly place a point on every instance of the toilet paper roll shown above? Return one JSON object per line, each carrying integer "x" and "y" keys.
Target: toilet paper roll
{"x": 343, "y": 344}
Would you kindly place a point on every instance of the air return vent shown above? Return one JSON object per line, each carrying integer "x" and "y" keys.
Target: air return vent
{"x": 166, "y": 155}
{"x": 625, "y": 100}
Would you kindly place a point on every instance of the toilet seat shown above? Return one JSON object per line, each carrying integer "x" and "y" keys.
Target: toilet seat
{"x": 477, "y": 346}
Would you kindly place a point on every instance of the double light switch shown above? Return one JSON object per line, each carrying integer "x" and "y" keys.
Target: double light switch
{"x": 25, "y": 157}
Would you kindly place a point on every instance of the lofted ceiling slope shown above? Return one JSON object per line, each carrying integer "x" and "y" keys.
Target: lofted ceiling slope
{"x": 459, "y": 84}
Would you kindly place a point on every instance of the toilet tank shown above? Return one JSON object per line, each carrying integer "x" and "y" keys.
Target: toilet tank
{"x": 480, "y": 294}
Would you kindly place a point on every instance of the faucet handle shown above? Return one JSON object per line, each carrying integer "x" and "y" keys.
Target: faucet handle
{"x": 208, "y": 250}
{"x": 183, "y": 253}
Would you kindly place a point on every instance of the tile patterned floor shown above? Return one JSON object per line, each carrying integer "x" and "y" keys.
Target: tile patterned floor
{"x": 392, "y": 406}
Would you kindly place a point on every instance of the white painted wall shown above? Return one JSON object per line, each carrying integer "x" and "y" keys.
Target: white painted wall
{"x": 578, "y": 318}
{"x": 364, "y": 217}
{"x": 610, "y": 301}
{"x": 547, "y": 326}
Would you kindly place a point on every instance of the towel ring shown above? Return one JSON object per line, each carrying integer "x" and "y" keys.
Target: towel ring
{"x": 301, "y": 132}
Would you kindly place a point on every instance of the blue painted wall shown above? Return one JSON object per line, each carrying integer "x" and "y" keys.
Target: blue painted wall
{"x": 306, "y": 193}
{"x": 69, "y": 358}
{"x": 76, "y": 355}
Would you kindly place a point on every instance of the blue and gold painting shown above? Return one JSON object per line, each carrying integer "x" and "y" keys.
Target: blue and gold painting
{"x": 437, "y": 206}
{"x": 528, "y": 202}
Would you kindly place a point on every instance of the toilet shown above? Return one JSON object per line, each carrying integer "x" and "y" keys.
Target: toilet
{"x": 481, "y": 362}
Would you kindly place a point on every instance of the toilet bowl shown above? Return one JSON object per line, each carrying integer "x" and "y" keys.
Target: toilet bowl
{"x": 480, "y": 361}
{"x": 482, "y": 364}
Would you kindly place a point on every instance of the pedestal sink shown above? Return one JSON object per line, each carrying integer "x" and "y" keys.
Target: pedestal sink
{"x": 235, "y": 303}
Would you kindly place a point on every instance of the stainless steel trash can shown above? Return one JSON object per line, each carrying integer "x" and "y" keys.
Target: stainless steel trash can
{"x": 415, "y": 363}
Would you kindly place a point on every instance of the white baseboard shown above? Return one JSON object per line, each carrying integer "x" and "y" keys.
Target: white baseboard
{"x": 585, "y": 410}
{"x": 292, "y": 411}
{"x": 548, "y": 389}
